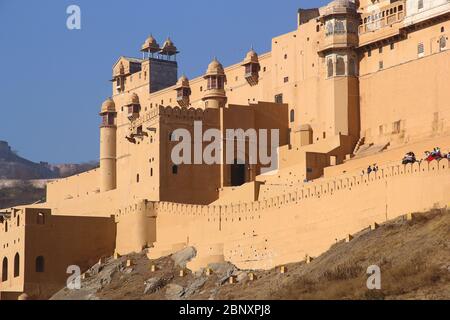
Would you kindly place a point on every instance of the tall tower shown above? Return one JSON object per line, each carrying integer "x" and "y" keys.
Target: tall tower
{"x": 108, "y": 130}
{"x": 338, "y": 48}
{"x": 160, "y": 63}
{"x": 215, "y": 96}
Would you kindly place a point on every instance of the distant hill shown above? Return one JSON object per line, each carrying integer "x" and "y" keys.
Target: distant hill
{"x": 12, "y": 166}
{"x": 21, "y": 193}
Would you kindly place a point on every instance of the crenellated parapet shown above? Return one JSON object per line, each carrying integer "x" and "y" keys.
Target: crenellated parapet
{"x": 305, "y": 220}
{"x": 168, "y": 113}
{"x": 314, "y": 190}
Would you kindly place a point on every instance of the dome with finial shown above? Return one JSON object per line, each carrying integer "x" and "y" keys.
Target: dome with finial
{"x": 169, "y": 47}
{"x": 108, "y": 106}
{"x": 215, "y": 68}
{"x": 251, "y": 57}
{"x": 150, "y": 45}
{"x": 132, "y": 98}
{"x": 183, "y": 82}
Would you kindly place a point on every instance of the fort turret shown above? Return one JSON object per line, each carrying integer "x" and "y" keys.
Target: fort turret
{"x": 133, "y": 106}
{"x": 183, "y": 91}
{"x": 252, "y": 67}
{"x": 338, "y": 48}
{"x": 108, "y": 130}
{"x": 215, "y": 96}
{"x": 150, "y": 47}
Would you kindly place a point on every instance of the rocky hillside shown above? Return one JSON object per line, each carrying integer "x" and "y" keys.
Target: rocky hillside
{"x": 12, "y": 166}
{"x": 21, "y": 193}
{"x": 414, "y": 258}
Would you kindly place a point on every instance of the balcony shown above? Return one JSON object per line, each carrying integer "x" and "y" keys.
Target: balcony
{"x": 382, "y": 24}
{"x": 183, "y": 101}
{"x": 338, "y": 41}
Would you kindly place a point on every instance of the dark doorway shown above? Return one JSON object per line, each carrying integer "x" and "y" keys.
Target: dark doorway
{"x": 5, "y": 269}
{"x": 237, "y": 174}
{"x": 40, "y": 264}
{"x": 16, "y": 265}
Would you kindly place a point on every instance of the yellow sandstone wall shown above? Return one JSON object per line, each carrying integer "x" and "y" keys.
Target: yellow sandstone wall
{"x": 306, "y": 221}
{"x": 409, "y": 90}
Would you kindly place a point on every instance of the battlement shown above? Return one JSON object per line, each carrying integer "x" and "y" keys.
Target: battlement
{"x": 10, "y": 220}
{"x": 305, "y": 220}
{"x": 312, "y": 190}
{"x": 179, "y": 113}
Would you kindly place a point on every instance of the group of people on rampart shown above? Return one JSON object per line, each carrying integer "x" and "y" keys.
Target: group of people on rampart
{"x": 410, "y": 158}
{"x": 436, "y": 154}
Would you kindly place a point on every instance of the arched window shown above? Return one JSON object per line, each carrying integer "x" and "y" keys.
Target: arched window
{"x": 340, "y": 66}
{"x": 40, "y": 264}
{"x": 6, "y": 226}
{"x": 292, "y": 116}
{"x": 339, "y": 26}
{"x": 16, "y": 265}
{"x": 329, "y": 27}
{"x": 442, "y": 43}
{"x": 175, "y": 169}
{"x": 18, "y": 221}
{"x": 137, "y": 178}
{"x": 330, "y": 68}
{"x": 5, "y": 269}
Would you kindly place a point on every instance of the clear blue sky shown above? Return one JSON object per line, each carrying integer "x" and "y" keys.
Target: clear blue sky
{"x": 53, "y": 80}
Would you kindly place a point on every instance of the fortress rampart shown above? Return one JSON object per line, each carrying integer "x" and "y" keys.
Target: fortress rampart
{"x": 346, "y": 90}
{"x": 305, "y": 221}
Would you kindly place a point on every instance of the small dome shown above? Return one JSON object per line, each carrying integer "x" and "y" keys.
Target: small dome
{"x": 342, "y": 3}
{"x": 150, "y": 44}
{"x": 183, "y": 81}
{"x": 132, "y": 99}
{"x": 168, "y": 42}
{"x": 338, "y": 6}
{"x": 108, "y": 106}
{"x": 215, "y": 68}
{"x": 169, "y": 47}
{"x": 251, "y": 56}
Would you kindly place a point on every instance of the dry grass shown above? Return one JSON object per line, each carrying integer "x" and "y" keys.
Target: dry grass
{"x": 414, "y": 258}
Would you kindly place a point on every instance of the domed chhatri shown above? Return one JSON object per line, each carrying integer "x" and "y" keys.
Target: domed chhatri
{"x": 338, "y": 6}
{"x": 215, "y": 68}
{"x": 251, "y": 57}
{"x": 183, "y": 91}
{"x": 183, "y": 82}
{"x": 108, "y": 106}
{"x": 132, "y": 98}
{"x": 150, "y": 45}
{"x": 169, "y": 47}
